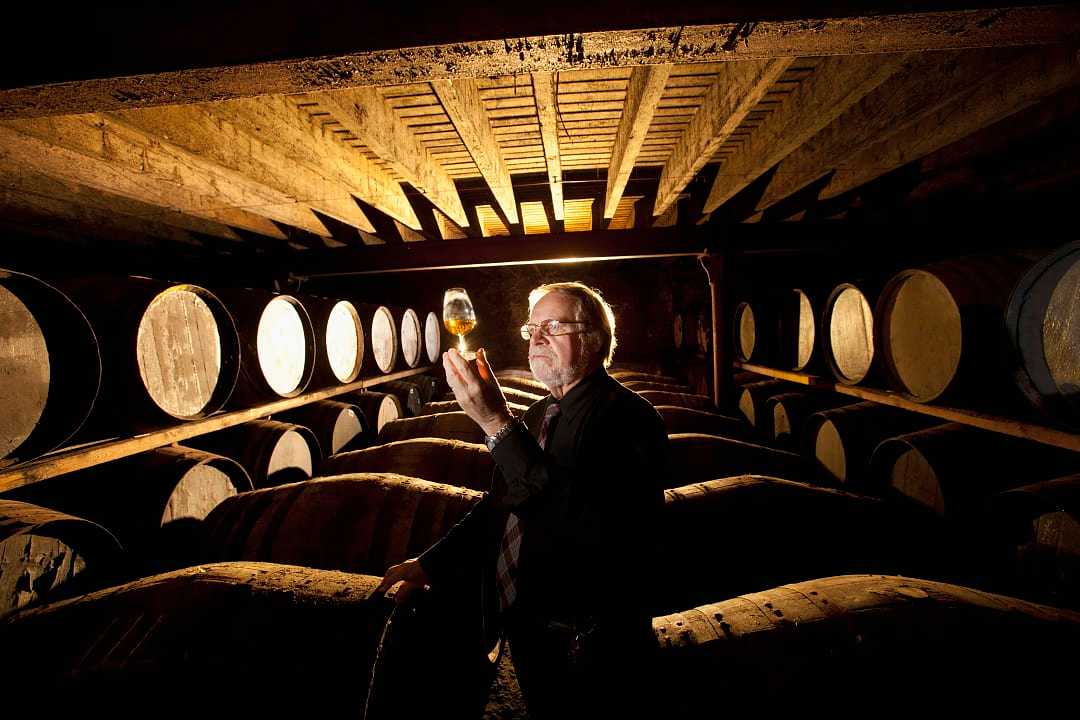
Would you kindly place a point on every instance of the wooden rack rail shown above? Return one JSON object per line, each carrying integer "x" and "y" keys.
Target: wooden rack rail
{"x": 1008, "y": 426}
{"x": 81, "y": 457}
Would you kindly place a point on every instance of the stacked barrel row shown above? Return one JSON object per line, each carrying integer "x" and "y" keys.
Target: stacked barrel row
{"x": 743, "y": 520}
{"x": 101, "y": 357}
{"x": 304, "y": 556}
{"x": 979, "y": 330}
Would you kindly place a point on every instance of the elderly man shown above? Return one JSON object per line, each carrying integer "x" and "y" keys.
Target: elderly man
{"x": 566, "y": 541}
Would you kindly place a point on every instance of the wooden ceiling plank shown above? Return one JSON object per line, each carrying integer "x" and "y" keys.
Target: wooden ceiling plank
{"x": 366, "y": 115}
{"x": 231, "y": 146}
{"x": 1034, "y": 76}
{"x": 546, "y": 110}
{"x": 642, "y": 94}
{"x": 590, "y": 55}
{"x": 461, "y": 99}
{"x": 837, "y": 84}
{"x": 735, "y": 91}
{"x": 40, "y": 145}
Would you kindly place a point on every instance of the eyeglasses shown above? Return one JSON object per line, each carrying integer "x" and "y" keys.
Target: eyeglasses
{"x": 549, "y": 327}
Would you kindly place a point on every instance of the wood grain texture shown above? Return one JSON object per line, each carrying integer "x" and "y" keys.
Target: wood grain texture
{"x": 734, "y": 92}
{"x": 643, "y": 92}
{"x": 836, "y": 84}
{"x": 365, "y": 113}
{"x": 24, "y": 382}
{"x": 450, "y": 462}
{"x": 461, "y": 100}
{"x": 544, "y": 85}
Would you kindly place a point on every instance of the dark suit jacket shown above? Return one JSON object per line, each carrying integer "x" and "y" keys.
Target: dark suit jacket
{"x": 590, "y": 507}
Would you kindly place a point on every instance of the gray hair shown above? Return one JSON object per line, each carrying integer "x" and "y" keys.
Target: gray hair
{"x": 591, "y": 309}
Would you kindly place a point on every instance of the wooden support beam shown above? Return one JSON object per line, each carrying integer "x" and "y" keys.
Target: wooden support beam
{"x": 715, "y": 266}
{"x": 836, "y": 84}
{"x": 643, "y": 92}
{"x": 546, "y": 112}
{"x": 733, "y": 93}
{"x": 22, "y": 179}
{"x": 229, "y": 145}
{"x": 927, "y": 83}
{"x": 279, "y": 122}
{"x": 91, "y": 155}
{"x": 793, "y": 35}
{"x": 365, "y": 114}
{"x": 461, "y": 100}
{"x": 1032, "y": 77}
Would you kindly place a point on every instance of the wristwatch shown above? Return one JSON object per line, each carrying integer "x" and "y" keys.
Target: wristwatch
{"x": 492, "y": 440}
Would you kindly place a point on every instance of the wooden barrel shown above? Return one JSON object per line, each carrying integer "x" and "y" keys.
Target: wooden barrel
{"x": 847, "y": 333}
{"x": 426, "y": 385}
{"x": 383, "y": 342}
{"x": 337, "y": 425}
{"x": 360, "y": 522}
{"x": 624, "y": 375}
{"x": 379, "y": 408}
{"x": 695, "y": 457}
{"x": 450, "y": 462}
{"x": 686, "y": 420}
{"x": 789, "y": 411}
{"x": 524, "y": 384}
{"x": 792, "y": 643}
{"x": 47, "y": 554}
{"x": 51, "y": 369}
{"x": 406, "y": 393}
{"x": 639, "y": 385}
{"x": 432, "y": 337}
{"x": 745, "y": 377}
{"x": 952, "y": 469}
{"x": 512, "y": 394}
{"x": 225, "y": 629}
{"x": 169, "y": 352}
{"x": 412, "y": 337}
{"x": 277, "y": 342}
{"x": 775, "y": 328}
{"x": 1042, "y": 322}
{"x": 687, "y": 400}
{"x": 153, "y": 502}
{"x": 956, "y": 308}
{"x": 451, "y": 425}
{"x": 1037, "y": 531}
{"x": 272, "y": 452}
{"x": 751, "y": 403}
{"x": 841, "y": 440}
{"x": 749, "y": 532}
{"x": 521, "y": 373}
{"x": 339, "y": 337}
{"x": 448, "y": 406}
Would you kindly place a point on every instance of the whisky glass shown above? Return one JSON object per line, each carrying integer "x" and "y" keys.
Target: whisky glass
{"x": 459, "y": 317}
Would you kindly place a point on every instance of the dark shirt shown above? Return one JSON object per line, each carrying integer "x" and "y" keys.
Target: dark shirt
{"x": 589, "y": 504}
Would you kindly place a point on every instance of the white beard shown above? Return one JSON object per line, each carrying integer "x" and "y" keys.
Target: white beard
{"x": 552, "y": 374}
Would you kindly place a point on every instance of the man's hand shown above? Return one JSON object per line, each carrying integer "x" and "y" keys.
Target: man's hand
{"x": 476, "y": 390}
{"x": 411, "y": 576}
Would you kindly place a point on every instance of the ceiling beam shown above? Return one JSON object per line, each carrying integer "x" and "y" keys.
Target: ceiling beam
{"x": 643, "y": 91}
{"x": 82, "y": 150}
{"x": 734, "y": 93}
{"x": 26, "y": 181}
{"x": 365, "y": 114}
{"x": 279, "y": 122}
{"x": 461, "y": 100}
{"x": 546, "y": 112}
{"x": 1024, "y": 82}
{"x": 228, "y": 144}
{"x": 688, "y": 43}
{"x": 836, "y": 84}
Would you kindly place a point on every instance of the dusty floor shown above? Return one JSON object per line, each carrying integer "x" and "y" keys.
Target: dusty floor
{"x": 505, "y": 701}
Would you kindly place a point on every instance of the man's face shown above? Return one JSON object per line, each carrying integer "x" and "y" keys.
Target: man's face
{"x": 557, "y": 360}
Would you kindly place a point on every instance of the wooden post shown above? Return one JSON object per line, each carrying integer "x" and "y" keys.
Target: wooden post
{"x": 715, "y": 268}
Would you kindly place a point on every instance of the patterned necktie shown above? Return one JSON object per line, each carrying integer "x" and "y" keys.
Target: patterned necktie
{"x": 510, "y": 548}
